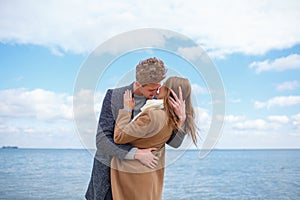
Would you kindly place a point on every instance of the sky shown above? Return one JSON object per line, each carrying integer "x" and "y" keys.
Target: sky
{"x": 254, "y": 46}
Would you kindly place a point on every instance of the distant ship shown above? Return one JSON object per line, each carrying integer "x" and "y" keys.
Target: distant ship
{"x": 9, "y": 147}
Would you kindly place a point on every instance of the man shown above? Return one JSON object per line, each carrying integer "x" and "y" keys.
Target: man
{"x": 149, "y": 74}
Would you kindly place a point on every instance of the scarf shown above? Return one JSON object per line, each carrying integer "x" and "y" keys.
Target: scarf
{"x": 151, "y": 103}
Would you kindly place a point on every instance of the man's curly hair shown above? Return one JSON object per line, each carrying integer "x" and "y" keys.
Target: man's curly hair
{"x": 151, "y": 70}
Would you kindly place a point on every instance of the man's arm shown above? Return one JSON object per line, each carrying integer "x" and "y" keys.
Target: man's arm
{"x": 176, "y": 138}
{"x": 104, "y": 138}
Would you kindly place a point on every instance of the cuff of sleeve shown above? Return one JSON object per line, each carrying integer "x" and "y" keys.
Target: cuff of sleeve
{"x": 127, "y": 109}
{"x": 130, "y": 154}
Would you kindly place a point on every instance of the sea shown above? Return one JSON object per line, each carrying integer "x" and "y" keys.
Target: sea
{"x": 223, "y": 174}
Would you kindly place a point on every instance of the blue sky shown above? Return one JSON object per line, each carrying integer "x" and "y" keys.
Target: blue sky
{"x": 255, "y": 46}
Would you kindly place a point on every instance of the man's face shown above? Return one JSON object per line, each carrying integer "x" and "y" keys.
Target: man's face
{"x": 149, "y": 90}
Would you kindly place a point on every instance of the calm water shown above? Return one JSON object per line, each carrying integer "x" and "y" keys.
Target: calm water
{"x": 64, "y": 174}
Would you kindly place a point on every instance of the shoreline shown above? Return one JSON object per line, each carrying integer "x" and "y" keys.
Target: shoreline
{"x": 233, "y": 149}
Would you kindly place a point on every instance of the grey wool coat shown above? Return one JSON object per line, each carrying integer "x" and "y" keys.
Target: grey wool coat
{"x": 99, "y": 187}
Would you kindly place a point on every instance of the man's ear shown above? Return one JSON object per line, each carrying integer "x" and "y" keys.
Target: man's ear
{"x": 136, "y": 87}
{"x": 137, "y": 84}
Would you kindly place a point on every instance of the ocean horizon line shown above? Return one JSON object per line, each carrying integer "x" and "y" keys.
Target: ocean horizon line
{"x": 168, "y": 149}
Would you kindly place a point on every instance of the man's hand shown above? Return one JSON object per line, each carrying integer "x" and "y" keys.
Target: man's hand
{"x": 179, "y": 106}
{"x": 146, "y": 157}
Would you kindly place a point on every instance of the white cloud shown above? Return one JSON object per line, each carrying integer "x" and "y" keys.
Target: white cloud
{"x": 258, "y": 139}
{"x": 259, "y": 105}
{"x": 192, "y": 53}
{"x": 274, "y": 131}
{"x": 296, "y": 121}
{"x": 203, "y": 120}
{"x": 197, "y": 89}
{"x": 265, "y": 126}
{"x": 43, "y": 135}
{"x": 233, "y": 118}
{"x": 279, "y": 119}
{"x": 134, "y": 41}
{"x": 42, "y": 118}
{"x": 290, "y": 62}
{"x": 250, "y": 27}
{"x": 37, "y": 104}
{"x": 289, "y": 85}
{"x": 56, "y": 51}
{"x": 282, "y": 101}
{"x": 258, "y": 124}
{"x": 235, "y": 100}
{"x": 87, "y": 105}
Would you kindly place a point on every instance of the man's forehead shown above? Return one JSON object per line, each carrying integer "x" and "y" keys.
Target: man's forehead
{"x": 152, "y": 86}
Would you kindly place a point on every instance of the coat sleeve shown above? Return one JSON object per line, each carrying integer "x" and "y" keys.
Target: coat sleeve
{"x": 105, "y": 131}
{"x": 176, "y": 138}
{"x": 146, "y": 125}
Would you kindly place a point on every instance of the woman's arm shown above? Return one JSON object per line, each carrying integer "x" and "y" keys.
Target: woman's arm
{"x": 145, "y": 125}
{"x": 178, "y": 104}
{"x": 145, "y": 156}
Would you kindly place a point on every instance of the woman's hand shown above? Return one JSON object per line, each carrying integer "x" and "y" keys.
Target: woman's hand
{"x": 179, "y": 106}
{"x": 128, "y": 100}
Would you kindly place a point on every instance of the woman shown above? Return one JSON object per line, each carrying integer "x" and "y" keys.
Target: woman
{"x": 151, "y": 128}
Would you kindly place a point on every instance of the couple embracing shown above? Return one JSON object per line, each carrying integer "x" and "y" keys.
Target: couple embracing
{"x": 133, "y": 129}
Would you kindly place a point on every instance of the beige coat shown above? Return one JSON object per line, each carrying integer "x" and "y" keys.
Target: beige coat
{"x": 130, "y": 180}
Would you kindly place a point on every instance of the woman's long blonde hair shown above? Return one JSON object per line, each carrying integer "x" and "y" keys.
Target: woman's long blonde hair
{"x": 189, "y": 125}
